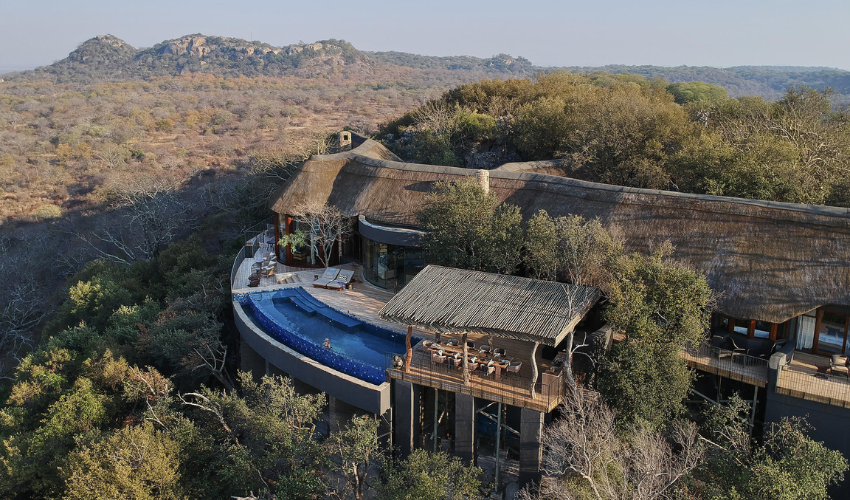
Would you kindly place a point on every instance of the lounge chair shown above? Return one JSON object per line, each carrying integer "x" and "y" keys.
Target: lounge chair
{"x": 485, "y": 349}
{"x": 341, "y": 281}
{"x": 330, "y": 274}
{"x": 514, "y": 367}
{"x": 489, "y": 368}
{"x": 838, "y": 364}
{"x": 436, "y": 358}
{"x": 498, "y": 351}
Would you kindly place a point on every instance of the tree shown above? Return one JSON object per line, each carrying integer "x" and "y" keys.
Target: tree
{"x": 580, "y": 250}
{"x": 587, "y": 457}
{"x": 685, "y": 92}
{"x": 264, "y": 441}
{"x": 136, "y": 462}
{"x": 430, "y": 476}
{"x": 152, "y": 213}
{"x": 327, "y": 227}
{"x": 787, "y": 465}
{"x": 466, "y": 227}
{"x": 660, "y": 307}
{"x": 354, "y": 450}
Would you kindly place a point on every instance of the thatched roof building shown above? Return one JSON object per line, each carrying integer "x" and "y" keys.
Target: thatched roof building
{"x": 449, "y": 300}
{"x": 767, "y": 261}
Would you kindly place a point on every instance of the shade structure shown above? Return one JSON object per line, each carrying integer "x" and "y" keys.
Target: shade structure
{"x": 449, "y": 300}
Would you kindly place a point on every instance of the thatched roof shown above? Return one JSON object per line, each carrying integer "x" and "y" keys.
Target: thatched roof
{"x": 452, "y": 300}
{"x": 767, "y": 261}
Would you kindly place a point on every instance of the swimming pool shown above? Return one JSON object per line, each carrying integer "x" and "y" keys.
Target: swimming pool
{"x": 301, "y": 322}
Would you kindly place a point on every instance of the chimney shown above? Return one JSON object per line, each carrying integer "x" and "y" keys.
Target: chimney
{"x": 483, "y": 179}
{"x": 344, "y": 139}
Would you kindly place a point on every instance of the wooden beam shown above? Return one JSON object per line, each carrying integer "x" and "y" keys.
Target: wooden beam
{"x": 408, "y": 358}
{"x": 534, "y": 368}
{"x": 276, "y": 234}
{"x": 818, "y": 318}
{"x": 773, "y": 328}
{"x": 465, "y": 362}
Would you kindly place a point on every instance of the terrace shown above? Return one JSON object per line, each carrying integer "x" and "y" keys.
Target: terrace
{"x": 500, "y": 385}
{"x": 808, "y": 377}
{"x": 506, "y": 313}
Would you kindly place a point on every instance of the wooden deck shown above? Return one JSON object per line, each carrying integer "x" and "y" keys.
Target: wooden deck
{"x": 807, "y": 378}
{"x": 514, "y": 390}
{"x": 747, "y": 369}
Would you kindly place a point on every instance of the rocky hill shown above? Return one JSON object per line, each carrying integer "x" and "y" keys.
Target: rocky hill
{"x": 107, "y": 58}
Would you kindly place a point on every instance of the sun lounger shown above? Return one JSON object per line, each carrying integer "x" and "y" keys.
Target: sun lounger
{"x": 341, "y": 281}
{"x": 330, "y": 274}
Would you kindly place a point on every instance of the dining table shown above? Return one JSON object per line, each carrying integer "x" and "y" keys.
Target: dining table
{"x": 500, "y": 363}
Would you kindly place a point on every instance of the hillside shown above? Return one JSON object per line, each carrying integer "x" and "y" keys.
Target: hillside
{"x": 106, "y": 58}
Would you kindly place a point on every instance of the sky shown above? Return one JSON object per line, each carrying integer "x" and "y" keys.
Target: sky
{"x": 718, "y": 33}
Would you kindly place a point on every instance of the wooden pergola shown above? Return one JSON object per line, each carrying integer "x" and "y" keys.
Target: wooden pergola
{"x": 461, "y": 302}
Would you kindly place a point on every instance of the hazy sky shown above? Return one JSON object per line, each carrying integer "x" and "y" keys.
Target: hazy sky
{"x": 548, "y": 32}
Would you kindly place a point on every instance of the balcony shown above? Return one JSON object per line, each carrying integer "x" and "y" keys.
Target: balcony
{"x": 728, "y": 364}
{"x": 808, "y": 377}
{"x": 508, "y": 388}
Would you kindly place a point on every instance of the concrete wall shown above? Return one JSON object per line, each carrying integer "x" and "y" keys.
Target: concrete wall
{"x": 363, "y": 395}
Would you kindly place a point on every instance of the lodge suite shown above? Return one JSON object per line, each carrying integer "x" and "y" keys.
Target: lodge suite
{"x": 781, "y": 271}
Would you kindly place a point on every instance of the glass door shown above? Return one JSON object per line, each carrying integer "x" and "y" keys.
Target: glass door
{"x": 831, "y": 335}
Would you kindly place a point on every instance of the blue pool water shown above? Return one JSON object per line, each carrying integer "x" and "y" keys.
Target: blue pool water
{"x": 301, "y": 322}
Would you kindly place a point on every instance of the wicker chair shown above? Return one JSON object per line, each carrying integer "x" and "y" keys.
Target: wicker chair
{"x": 514, "y": 367}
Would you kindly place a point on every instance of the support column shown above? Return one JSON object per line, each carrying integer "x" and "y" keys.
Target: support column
{"x": 404, "y": 416}
{"x": 465, "y": 427}
{"x": 530, "y": 448}
{"x": 251, "y": 361}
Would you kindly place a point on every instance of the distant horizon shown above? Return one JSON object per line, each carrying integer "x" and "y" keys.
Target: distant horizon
{"x": 667, "y": 33}
{"x": 26, "y": 67}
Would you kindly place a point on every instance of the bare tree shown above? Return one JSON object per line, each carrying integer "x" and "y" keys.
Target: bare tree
{"x": 152, "y": 214}
{"x": 586, "y": 456}
{"x": 21, "y": 311}
{"x": 326, "y": 226}
{"x": 22, "y": 306}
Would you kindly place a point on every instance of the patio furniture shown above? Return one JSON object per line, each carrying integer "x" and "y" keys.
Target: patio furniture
{"x": 735, "y": 348}
{"x": 437, "y": 358}
{"x": 472, "y": 367}
{"x": 840, "y": 365}
{"x": 498, "y": 351}
{"x": 342, "y": 280}
{"x": 489, "y": 368}
{"x": 329, "y": 275}
{"x": 514, "y": 367}
{"x": 485, "y": 349}
{"x": 470, "y": 345}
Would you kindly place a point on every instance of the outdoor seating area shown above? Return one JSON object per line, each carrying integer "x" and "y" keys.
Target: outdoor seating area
{"x": 507, "y": 379}
{"x": 484, "y": 361}
{"x": 816, "y": 378}
{"x": 335, "y": 279}
{"x": 751, "y": 347}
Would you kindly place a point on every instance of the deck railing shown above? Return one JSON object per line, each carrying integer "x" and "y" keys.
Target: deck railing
{"x": 510, "y": 389}
{"x": 237, "y": 263}
{"x": 828, "y": 388}
{"x": 729, "y": 364}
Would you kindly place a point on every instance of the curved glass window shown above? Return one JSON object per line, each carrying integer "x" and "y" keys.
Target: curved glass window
{"x": 390, "y": 266}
